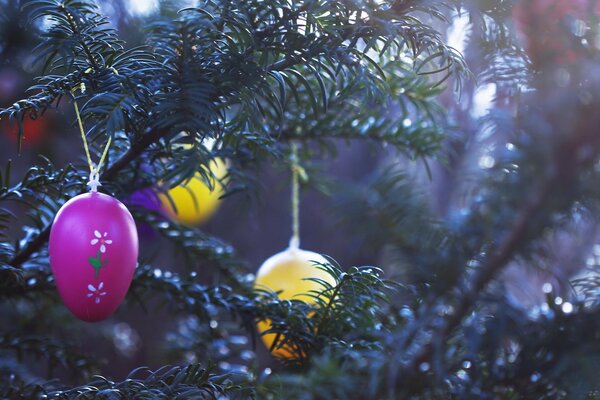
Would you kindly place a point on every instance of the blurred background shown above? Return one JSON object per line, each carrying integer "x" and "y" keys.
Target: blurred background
{"x": 257, "y": 223}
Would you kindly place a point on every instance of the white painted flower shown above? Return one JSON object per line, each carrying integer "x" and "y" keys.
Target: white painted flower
{"x": 96, "y": 292}
{"x": 99, "y": 238}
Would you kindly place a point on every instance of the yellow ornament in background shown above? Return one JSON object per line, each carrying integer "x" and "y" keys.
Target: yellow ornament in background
{"x": 194, "y": 201}
{"x": 287, "y": 273}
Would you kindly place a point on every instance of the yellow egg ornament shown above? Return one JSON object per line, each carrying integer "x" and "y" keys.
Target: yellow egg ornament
{"x": 193, "y": 202}
{"x": 288, "y": 272}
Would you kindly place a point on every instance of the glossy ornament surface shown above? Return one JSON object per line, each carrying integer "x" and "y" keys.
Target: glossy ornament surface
{"x": 193, "y": 202}
{"x": 93, "y": 254}
{"x": 288, "y": 272}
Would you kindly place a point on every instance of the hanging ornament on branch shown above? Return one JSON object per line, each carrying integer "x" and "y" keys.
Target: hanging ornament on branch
{"x": 193, "y": 202}
{"x": 290, "y": 272}
{"x": 93, "y": 247}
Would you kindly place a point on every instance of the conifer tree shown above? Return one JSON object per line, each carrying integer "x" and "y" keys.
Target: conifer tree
{"x": 288, "y": 82}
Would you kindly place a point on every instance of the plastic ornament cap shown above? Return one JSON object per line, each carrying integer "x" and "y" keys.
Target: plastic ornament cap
{"x": 93, "y": 254}
{"x": 288, "y": 273}
{"x": 194, "y": 201}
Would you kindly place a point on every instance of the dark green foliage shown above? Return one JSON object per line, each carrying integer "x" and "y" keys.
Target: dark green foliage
{"x": 192, "y": 381}
{"x": 347, "y": 316}
{"x": 254, "y": 76}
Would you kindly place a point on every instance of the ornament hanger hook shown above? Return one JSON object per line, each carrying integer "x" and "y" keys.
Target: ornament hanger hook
{"x": 94, "y": 181}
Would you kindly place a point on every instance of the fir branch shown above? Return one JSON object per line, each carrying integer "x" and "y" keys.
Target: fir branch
{"x": 190, "y": 381}
{"x": 43, "y": 348}
{"x": 476, "y": 285}
{"x": 566, "y": 163}
{"x": 196, "y": 245}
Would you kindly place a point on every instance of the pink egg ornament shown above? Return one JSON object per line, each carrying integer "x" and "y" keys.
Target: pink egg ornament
{"x": 93, "y": 254}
